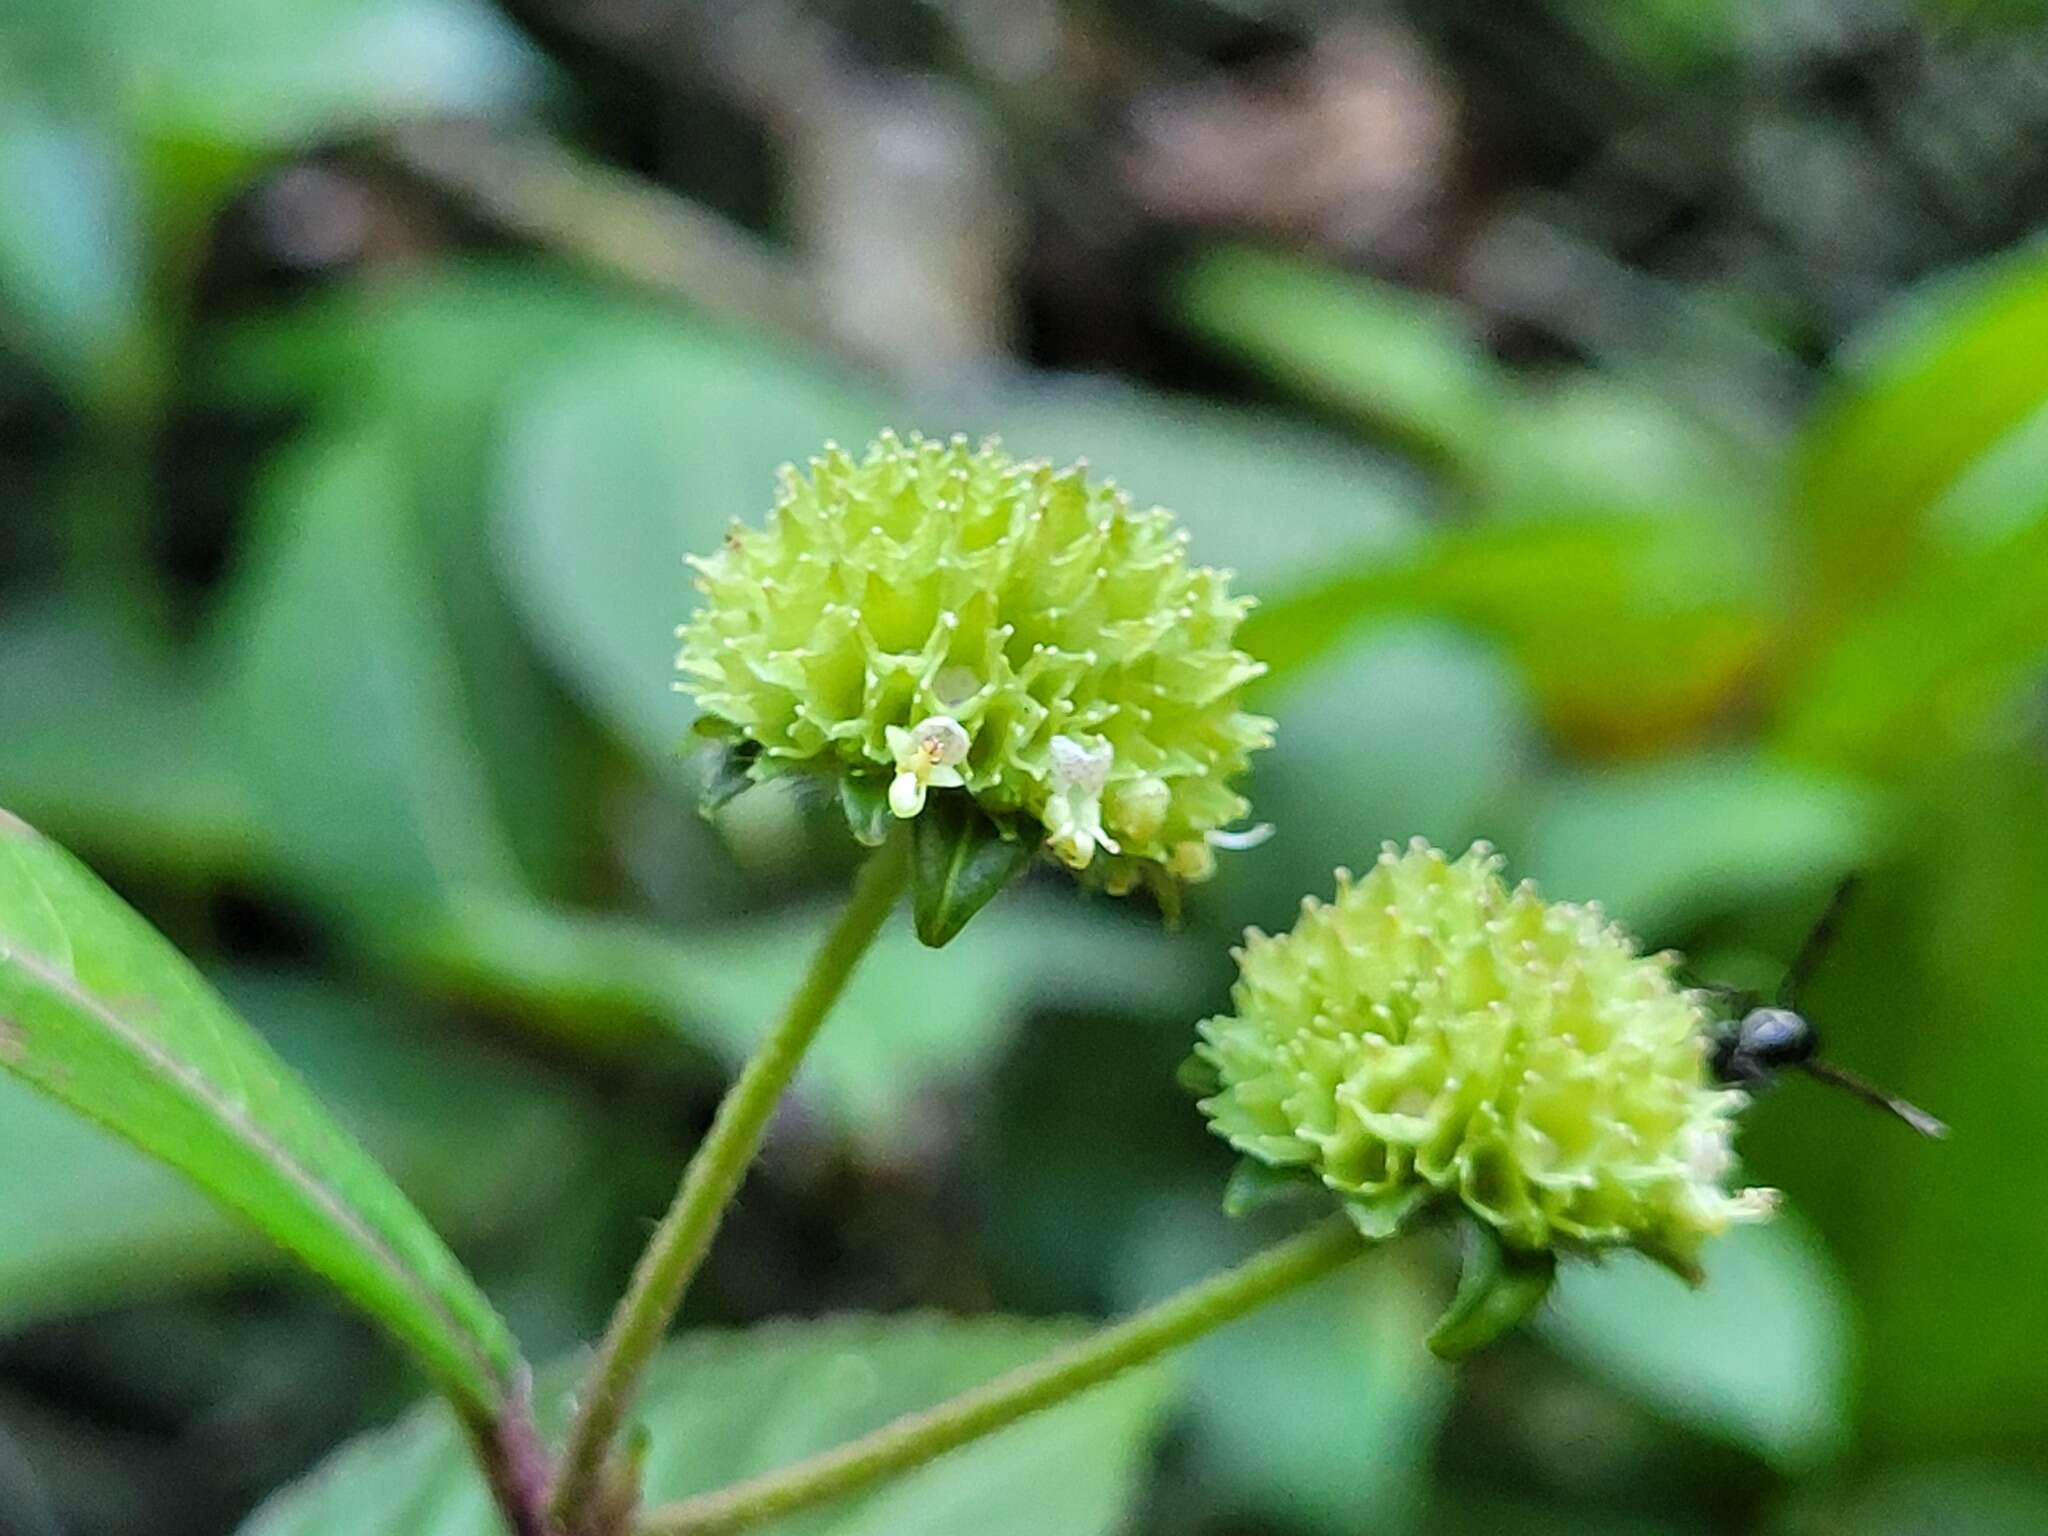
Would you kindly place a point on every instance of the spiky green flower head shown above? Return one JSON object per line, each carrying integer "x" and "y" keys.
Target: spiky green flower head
{"x": 934, "y": 618}
{"x": 1433, "y": 1036}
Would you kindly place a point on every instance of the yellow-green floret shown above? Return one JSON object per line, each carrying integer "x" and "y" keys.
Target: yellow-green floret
{"x": 1433, "y": 1033}
{"x": 934, "y": 617}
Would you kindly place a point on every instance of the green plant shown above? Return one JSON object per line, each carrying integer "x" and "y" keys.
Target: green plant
{"x": 1659, "y": 495}
{"x": 1006, "y": 659}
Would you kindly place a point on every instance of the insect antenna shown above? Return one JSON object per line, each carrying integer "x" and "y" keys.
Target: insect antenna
{"x": 1816, "y": 944}
{"x": 1870, "y": 1093}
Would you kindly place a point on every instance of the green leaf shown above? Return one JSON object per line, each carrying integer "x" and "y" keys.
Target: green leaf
{"x": 405, "y": 388}
{"x": 723, "y": 1406}
{"x": 1668, "y": 846}
{"x": 116, "y": 1226}
{"x": 260, "y": 74}
{"x": 1939, "y": 384}
{"x": 1498, "y": 1288}
{"x": 1934, "y": 989}
{"x": 106, "y": 1224}
{"x": 912, "y": 1024}
{"x": 1324, "y": 501}
{"x": 619, "y": 462}
{"x": 1973, "y": 1497}
{"x": 1631, "y": 629}
{"x": 1415, "y": 729}
{"x": 108, "y": 744}
{"x": 343, "y": 695}
{"x": 1397, "y": 360}
{"x": 1588, "y": 443}
{"x": 1917, "y": 675}
{"x": 1320, "y": 1411}
{"x": 71, "y": 258}
{"x": 959, "y": 861}
{"x": 1758, "y": 1355}
{"x": 97, "y": 1010}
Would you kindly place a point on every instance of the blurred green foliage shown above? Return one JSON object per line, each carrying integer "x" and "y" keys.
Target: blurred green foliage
{"x": 1677, "y": 520}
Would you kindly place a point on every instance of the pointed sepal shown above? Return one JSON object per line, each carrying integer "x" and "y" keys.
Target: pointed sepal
{"x": 959, "y": 859}
{"x": 865, "y": 800}
{"x": 723, "y": 773}
{"x": 1254, "y": 1186}
{"x": 1498, "y": 1290}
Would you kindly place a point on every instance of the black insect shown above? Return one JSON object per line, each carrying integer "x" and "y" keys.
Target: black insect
{"x": 1750, "y": 1050}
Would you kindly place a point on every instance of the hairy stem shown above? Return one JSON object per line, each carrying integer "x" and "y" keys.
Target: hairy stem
{"x": 515, "y": 1465}
{"x": 919, "y": 1437}
{"x": 709, "y": 1183}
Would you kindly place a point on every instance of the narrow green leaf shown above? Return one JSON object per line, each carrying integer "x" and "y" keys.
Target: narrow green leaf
{"x": 1398, "y": 360}
{"x": 1938, "y": 386}
{"x": 117, "y": 1226}
{"x": 1497, "y": 1290}
{"x": 723, "y": 1406}
{"x": 959, "y": 860}
{"x": 112, "y": 1226}
{"x": 97, "y": 1010}
{"x": 1631, "y": 629}
{"x": 1913, "y": 677}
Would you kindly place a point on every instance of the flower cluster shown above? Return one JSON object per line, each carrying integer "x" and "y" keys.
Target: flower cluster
{"x": 1434, "y": 1034}
{"x": 934, "y": 616}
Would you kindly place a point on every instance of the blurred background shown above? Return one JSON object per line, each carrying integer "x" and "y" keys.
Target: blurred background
{"x": 1633, "y": 417}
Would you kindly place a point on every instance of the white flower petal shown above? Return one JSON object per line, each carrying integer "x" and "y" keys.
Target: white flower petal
{"x": 906, "y": 795}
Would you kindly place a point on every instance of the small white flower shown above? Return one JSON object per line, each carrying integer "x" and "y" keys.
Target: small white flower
{"x": 1753, "y": 1204}
{"x": 1708, "y": 1154}
{"x": 927, "y": 754}
{"x": 1706, "y": 1151}
{"x": 1073, "y": 812}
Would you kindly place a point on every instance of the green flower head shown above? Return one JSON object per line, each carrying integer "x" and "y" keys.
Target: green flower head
{"x": 936, "y": 618}
{"x": 1432, "y": 1035}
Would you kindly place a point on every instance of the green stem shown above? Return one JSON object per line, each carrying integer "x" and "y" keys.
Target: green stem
{"x": 709, "y": 1183}
{"x": 919, "y": 1437}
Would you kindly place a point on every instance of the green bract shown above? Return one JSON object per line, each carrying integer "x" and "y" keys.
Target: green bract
{"x": 1432, "y": 1033}
{"x": 936, "y": 618}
